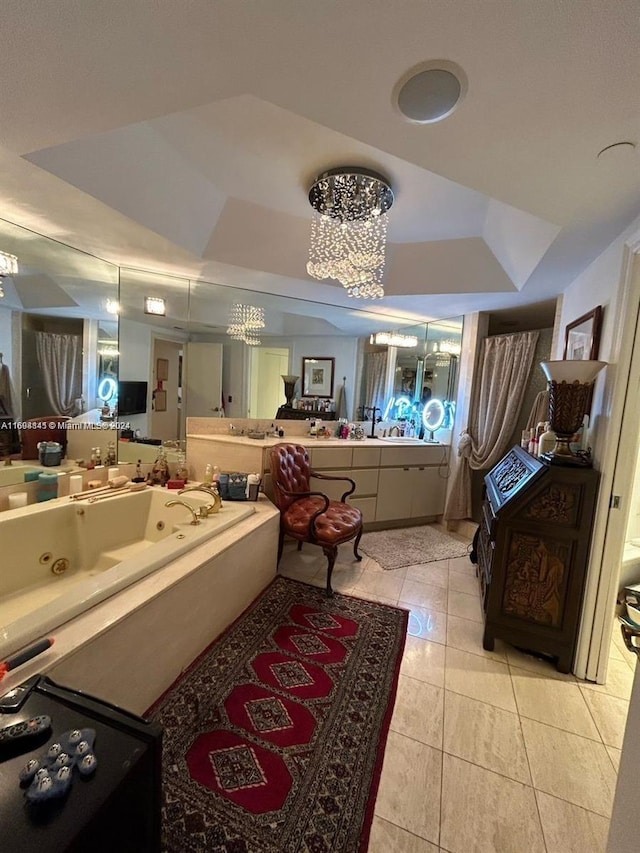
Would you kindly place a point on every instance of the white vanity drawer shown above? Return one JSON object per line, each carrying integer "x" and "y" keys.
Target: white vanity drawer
{"x": 414, "y": 455}
{"x": 366, "y": 480}
{"x": 366, "y": 457}
{"x": 330, "y": 457}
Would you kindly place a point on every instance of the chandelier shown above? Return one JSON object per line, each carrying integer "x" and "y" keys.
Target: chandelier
{"x": 349, "y": 229}
{"x": 244, "y": 323}
{"x": 8, "y": 266}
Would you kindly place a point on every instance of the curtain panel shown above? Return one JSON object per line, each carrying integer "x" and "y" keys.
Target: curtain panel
{"x": 506, "y": 363}
{"x": 60, "y": 360}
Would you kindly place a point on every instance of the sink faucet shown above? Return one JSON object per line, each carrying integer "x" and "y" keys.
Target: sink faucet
{"x": 373, "y": 410}
{"x": 395, "y": 430}
{"x": 192, "y": 510}
{"x": 211, "y": 509}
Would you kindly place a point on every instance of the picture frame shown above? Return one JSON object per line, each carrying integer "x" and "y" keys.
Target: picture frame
{"x": 160, "y": 401}
{"x": 582, "y": 337}
{"x": 162, "y": 369}
{"x": 317, "y": 376}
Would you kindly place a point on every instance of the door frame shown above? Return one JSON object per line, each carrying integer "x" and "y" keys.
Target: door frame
{"x": 621, "y": 408}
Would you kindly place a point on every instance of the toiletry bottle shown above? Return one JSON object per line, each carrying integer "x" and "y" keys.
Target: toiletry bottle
{"x": 524, "y": 439}
{"x": 98, "y": 456}
{"x": 208, "y": 474}
{"x": 547, "y": 440}
{"x": 215, "y": 478}
{"x": 47, "y": 486}
{"x": 532, "y": 436}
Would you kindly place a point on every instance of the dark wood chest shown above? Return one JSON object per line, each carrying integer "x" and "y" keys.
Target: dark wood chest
{"x": 533, "y": 550}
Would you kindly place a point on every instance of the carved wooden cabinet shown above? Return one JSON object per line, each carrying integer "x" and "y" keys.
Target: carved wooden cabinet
{"x": 532, "y": 553}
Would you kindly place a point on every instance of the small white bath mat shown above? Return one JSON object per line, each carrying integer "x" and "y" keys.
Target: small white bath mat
{"x": 410, "y": 546}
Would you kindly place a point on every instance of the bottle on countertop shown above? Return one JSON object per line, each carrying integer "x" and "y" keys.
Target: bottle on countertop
{"x": 524, "y": 439}
{"x": 547, "y": 440}
{"x": 532, "y": 441}
{"x": 208, "y": 473}
{"x": 215, "y": 478}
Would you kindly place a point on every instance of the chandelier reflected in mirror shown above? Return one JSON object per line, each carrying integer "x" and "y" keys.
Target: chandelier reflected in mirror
{"x": 349, "y": 229}
{"x": 245, "y": 321}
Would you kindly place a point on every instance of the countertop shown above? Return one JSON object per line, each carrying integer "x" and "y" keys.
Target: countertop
{"x": 310, "y": 441}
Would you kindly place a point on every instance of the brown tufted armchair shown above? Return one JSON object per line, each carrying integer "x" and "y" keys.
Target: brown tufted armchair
{"x": 310, "y": 516}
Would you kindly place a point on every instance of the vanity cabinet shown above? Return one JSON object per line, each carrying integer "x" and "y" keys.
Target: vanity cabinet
{"x": 533, "y": 552}
{"x": 395, "y": 484}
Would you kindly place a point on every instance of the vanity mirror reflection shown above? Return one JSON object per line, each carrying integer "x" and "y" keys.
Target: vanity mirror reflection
{"x": 60, "y": 291}
{"x": 54, "y": 320}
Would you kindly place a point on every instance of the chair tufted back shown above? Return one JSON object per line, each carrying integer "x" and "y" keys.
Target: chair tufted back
{"x": 289, "y": 469}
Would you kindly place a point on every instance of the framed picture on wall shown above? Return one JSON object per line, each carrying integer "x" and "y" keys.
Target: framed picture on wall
{"x": 160, "y": 401}
{"x": 317, "y": 376}
{"x": 162, "y": 369}
{"x": 582, "y": 337}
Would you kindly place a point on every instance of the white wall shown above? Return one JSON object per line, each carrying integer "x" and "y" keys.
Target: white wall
{"x": 5, "y": 337}
{"x": 135, "y": 364}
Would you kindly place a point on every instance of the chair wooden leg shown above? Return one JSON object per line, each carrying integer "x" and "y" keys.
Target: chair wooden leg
{"x": 330, "y": 551}
{"x": 355, "y": 547}
{"x": 299, "y": 544}
{"x": 280, "y": 546}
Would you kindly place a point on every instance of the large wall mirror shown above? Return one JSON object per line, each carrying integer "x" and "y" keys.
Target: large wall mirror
{"x": 64, "y": 349}
{"x": 58, "y": 336}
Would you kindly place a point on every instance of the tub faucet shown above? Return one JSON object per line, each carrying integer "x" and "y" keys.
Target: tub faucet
{"x": 211, "y": 509}
{"x": 192, "y": 510}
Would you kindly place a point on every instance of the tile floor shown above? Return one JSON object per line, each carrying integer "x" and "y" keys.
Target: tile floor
{"x": 489, "y": 752}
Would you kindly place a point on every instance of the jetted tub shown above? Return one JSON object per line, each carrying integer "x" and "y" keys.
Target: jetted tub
{"x": 61, "y": 558}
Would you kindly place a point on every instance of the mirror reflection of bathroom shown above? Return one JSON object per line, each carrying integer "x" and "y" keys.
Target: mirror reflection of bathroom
{"x": 630, "y": 568}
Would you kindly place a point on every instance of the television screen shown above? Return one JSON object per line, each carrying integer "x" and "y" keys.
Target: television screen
{"x": 132, "y": 398}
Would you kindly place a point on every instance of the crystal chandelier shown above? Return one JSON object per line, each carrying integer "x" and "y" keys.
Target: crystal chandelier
{"x": 8, "y": 266}
{"x": 244, "y": 323}
{"x": 349, "y": 229}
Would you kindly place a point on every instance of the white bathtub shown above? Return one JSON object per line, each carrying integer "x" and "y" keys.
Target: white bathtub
{"x": 100, "y": 547}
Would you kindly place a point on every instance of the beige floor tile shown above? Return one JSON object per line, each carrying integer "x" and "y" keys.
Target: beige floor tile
{"x": 557, "y": 703}
{"x": 479, "y": 678}
{"x": 436, "y": 573}
{"x": 485, "y": 735}
{"x": 388, "y": 838}
{"x": 615, "y": 653}
{"x": 409, "y": 793}
{"x": 571, "y": 829}
{"x": 571, "y": 767}
{"x": 483, "y": 812}
{"x": 369, "y": 596}
{"x": 462, "y": 564}
{"x": 619, "y": 680}
{"x": 426, "y": 623}
{"x": 376, "y": 569}
{"x": 424, "y": 595}
{"x": 467, "y": 635}
{"x": 534, "y": 664}
{"x": 345, "y": 577}
{"x": 384, "y": 584}
{"x": 464, "y": 583}
{"x": 614, "y": 755}
{"x": 610, "y": 715}
{"x": 423, "y": 660}
{"x": 418, "y": 711}
{"x": 465, "y": 606}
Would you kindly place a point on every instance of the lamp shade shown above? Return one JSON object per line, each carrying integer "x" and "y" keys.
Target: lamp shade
{"x": 583, "y": 372}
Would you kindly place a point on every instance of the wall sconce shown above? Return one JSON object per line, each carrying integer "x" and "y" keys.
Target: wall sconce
{"x": 112, "y": 306}
{"x": 155, "y": 305}
{"x": 393, "y": 339}
{"x": 569, "y": 395}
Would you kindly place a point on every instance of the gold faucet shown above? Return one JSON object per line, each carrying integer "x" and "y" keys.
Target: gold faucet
{"x": 192, "y": 510}
{"x": 211, "y": 509}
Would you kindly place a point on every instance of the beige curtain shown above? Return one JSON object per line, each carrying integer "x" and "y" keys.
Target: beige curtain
{"x": 506, "y": 363}
{"x": 375, "y": 376}
{"x": 60, "y": 360}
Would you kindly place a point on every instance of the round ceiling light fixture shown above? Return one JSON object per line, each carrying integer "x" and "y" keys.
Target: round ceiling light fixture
{"x": 430, "y": 92}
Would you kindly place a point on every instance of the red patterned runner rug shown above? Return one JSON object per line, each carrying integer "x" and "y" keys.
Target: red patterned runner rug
{"x": 274, "y": 738}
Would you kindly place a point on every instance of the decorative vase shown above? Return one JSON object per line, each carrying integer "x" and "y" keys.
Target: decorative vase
{"x": 570, "y": 384}
{"x": 289, "y": 387}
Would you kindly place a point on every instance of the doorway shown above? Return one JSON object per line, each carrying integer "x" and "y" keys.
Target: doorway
{"x": 268, "y": 365}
